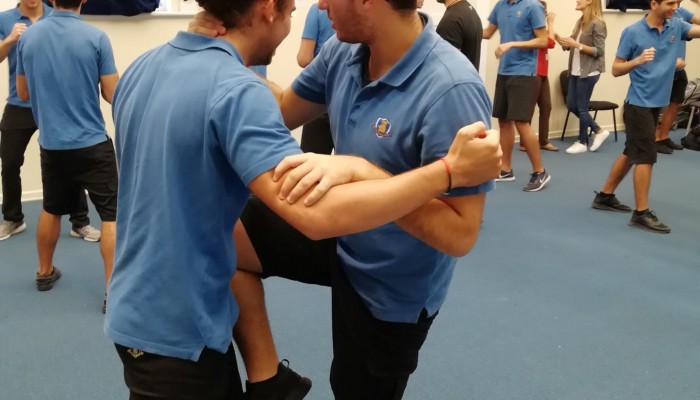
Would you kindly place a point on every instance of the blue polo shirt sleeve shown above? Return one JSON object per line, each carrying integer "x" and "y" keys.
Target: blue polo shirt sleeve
{"x": 685, "y": 28}
{"x": 311, "y": 25}
{"x": 310, "y": 85}
{"x": 685, "y": 14}
{"x": 19, "y": 69}
{"x": 250, "y": 129}
{"x": 106, "y": 57}
{"x": 537, "y": 16}
{"x": 461, "y": 105}
{"x": 627, "y": 48}
{"x": 493, "y": 17}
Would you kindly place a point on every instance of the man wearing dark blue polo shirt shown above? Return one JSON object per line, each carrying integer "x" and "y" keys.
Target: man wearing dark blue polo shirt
{"x": 62, "y": 63}
{"x": 171, "y": 311}
{"x": 648, "y": 51}
{"x": 18, "y": 127}
{"x": 664, "y": 144}
{"x": 523, "y": 30}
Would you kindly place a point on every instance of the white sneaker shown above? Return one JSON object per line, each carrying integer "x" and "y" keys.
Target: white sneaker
{"x": 87, "y": 233}
{"x": 9, "y": 228}
{"x": 598, "y": 139}
{"x": 577, "y": 148}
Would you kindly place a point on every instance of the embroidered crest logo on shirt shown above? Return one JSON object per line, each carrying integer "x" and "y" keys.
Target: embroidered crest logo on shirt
{"x": 519, "y": 14}
{"x": 673, "y": 38}
{"x": 382, "y": 128}
{"x": 136, "y": 353}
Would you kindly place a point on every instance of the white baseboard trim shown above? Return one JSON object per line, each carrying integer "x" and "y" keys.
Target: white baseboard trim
{"x": 31, "y": 195}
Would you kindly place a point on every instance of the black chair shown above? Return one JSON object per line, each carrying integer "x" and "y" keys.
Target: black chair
{"x": 594, "y": 106}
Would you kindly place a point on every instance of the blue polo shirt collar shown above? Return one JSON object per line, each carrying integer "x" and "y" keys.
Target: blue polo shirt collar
{"x": 195, "y": 42}
{"x": 512, "y": 2}
{"x": 45, "y": 12}
{"x": 653, "y": 28}
{"x": 65, "y": 14}
{"x": 403, "y": 69}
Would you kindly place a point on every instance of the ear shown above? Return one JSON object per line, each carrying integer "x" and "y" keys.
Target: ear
{"x": 269, "y": 10}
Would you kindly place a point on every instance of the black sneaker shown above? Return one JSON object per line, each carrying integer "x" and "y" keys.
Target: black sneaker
{"x": 286, "y": 385}
{"x": 662, "y": 147}
{"x": 609, "y": 204}
{"x": 671, "y": 144}
{"x": 649, "y": 222}
{"x": 506, "y": 176}
{"x": 46, "y": 282}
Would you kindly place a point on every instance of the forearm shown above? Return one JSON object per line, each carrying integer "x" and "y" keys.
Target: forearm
{"x": 5, "y": 47}
{"x": 364, "y": 205}
{"x": 445, "y": 228}
{"x": 624, "y": 68}
{"x": 536, "y": 43}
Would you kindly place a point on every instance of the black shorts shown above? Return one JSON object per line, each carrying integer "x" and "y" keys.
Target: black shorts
{"x": 680, "y": 82}
{"x": 372, "y": 359}
{"x": 65, "y": 173}
{"x": 514, "y": 98}
{"x": 149, "y": 376}
{"x": 640, "y": 129}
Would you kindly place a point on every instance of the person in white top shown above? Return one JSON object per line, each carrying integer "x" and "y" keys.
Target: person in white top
{"x": 586, "y": 63}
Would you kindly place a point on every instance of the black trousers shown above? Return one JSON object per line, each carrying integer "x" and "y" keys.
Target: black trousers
{"x": 16, "y": 130}
{"x": 372, "y": 359}
{"x": 150, "y": 376}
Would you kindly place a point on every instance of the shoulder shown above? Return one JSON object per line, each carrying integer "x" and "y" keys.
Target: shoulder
{"x": 448, "y": 67}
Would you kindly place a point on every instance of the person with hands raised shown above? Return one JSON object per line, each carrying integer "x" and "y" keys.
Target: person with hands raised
{"x": 648, "y": 52}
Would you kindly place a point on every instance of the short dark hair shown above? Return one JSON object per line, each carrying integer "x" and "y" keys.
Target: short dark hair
{"x": 403, "y": 4}
{"x": 231, "y": 11}
{"x": 72, "y": 4}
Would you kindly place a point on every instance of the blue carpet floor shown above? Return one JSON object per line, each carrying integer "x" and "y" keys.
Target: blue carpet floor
{"x": 557, "y": 301}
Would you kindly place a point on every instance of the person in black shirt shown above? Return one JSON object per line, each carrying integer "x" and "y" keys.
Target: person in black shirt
{"x": 461, "y": 27}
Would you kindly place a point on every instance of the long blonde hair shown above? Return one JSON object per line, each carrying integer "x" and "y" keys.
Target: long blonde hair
{"x": 592, "y": 12}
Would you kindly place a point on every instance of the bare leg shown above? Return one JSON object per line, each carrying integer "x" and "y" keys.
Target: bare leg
{"x": 667, "y": 120}
{"x": 532, "y": 145}
{"x": 109, "y": 233}
{"x": 252, "y": 331}
{"x": 47, "y": 232}
{"x": 642, "y": 182}
{"x": 619, "y": 170}
{"x": 507, "y": 140}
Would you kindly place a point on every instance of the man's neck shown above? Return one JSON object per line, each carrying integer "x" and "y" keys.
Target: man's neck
{"x": 73, "y": 10}
{"x": 449, "y": 3}
{"x": 389, "y": 47}
{"x": 31, "y": 13}
{"x": 655, "y": 21}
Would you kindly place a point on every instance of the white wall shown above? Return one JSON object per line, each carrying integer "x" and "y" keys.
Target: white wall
{"x": 132, "y": 36}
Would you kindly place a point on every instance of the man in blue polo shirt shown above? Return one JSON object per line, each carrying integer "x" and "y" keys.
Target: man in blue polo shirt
{"x": 316, "y": 135}
{"x": 171, "y": 311}
{"x": 648, "y": 51}
{"x": 395, "y": 97}
{"x": 18, "y": 126}
{"x": 523, "y": 30}
{"x": 664, "y": 144}
{"x": 62, "y": 63}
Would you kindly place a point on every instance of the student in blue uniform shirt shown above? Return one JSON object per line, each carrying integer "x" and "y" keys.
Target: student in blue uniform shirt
{"x": 197, "y": 131}
{"x": 664, "y": 144}
{"x": 316, "y": 135}
{"x": 18, "y": 126}
{"x": 62, "y": 65}
{"x": 388, "y": 283}
{"x": 523, "y": 30}
{"x": 648, "y": 51}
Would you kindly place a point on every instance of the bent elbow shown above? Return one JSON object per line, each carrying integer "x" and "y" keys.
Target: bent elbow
{"x": 462, "y": 247}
